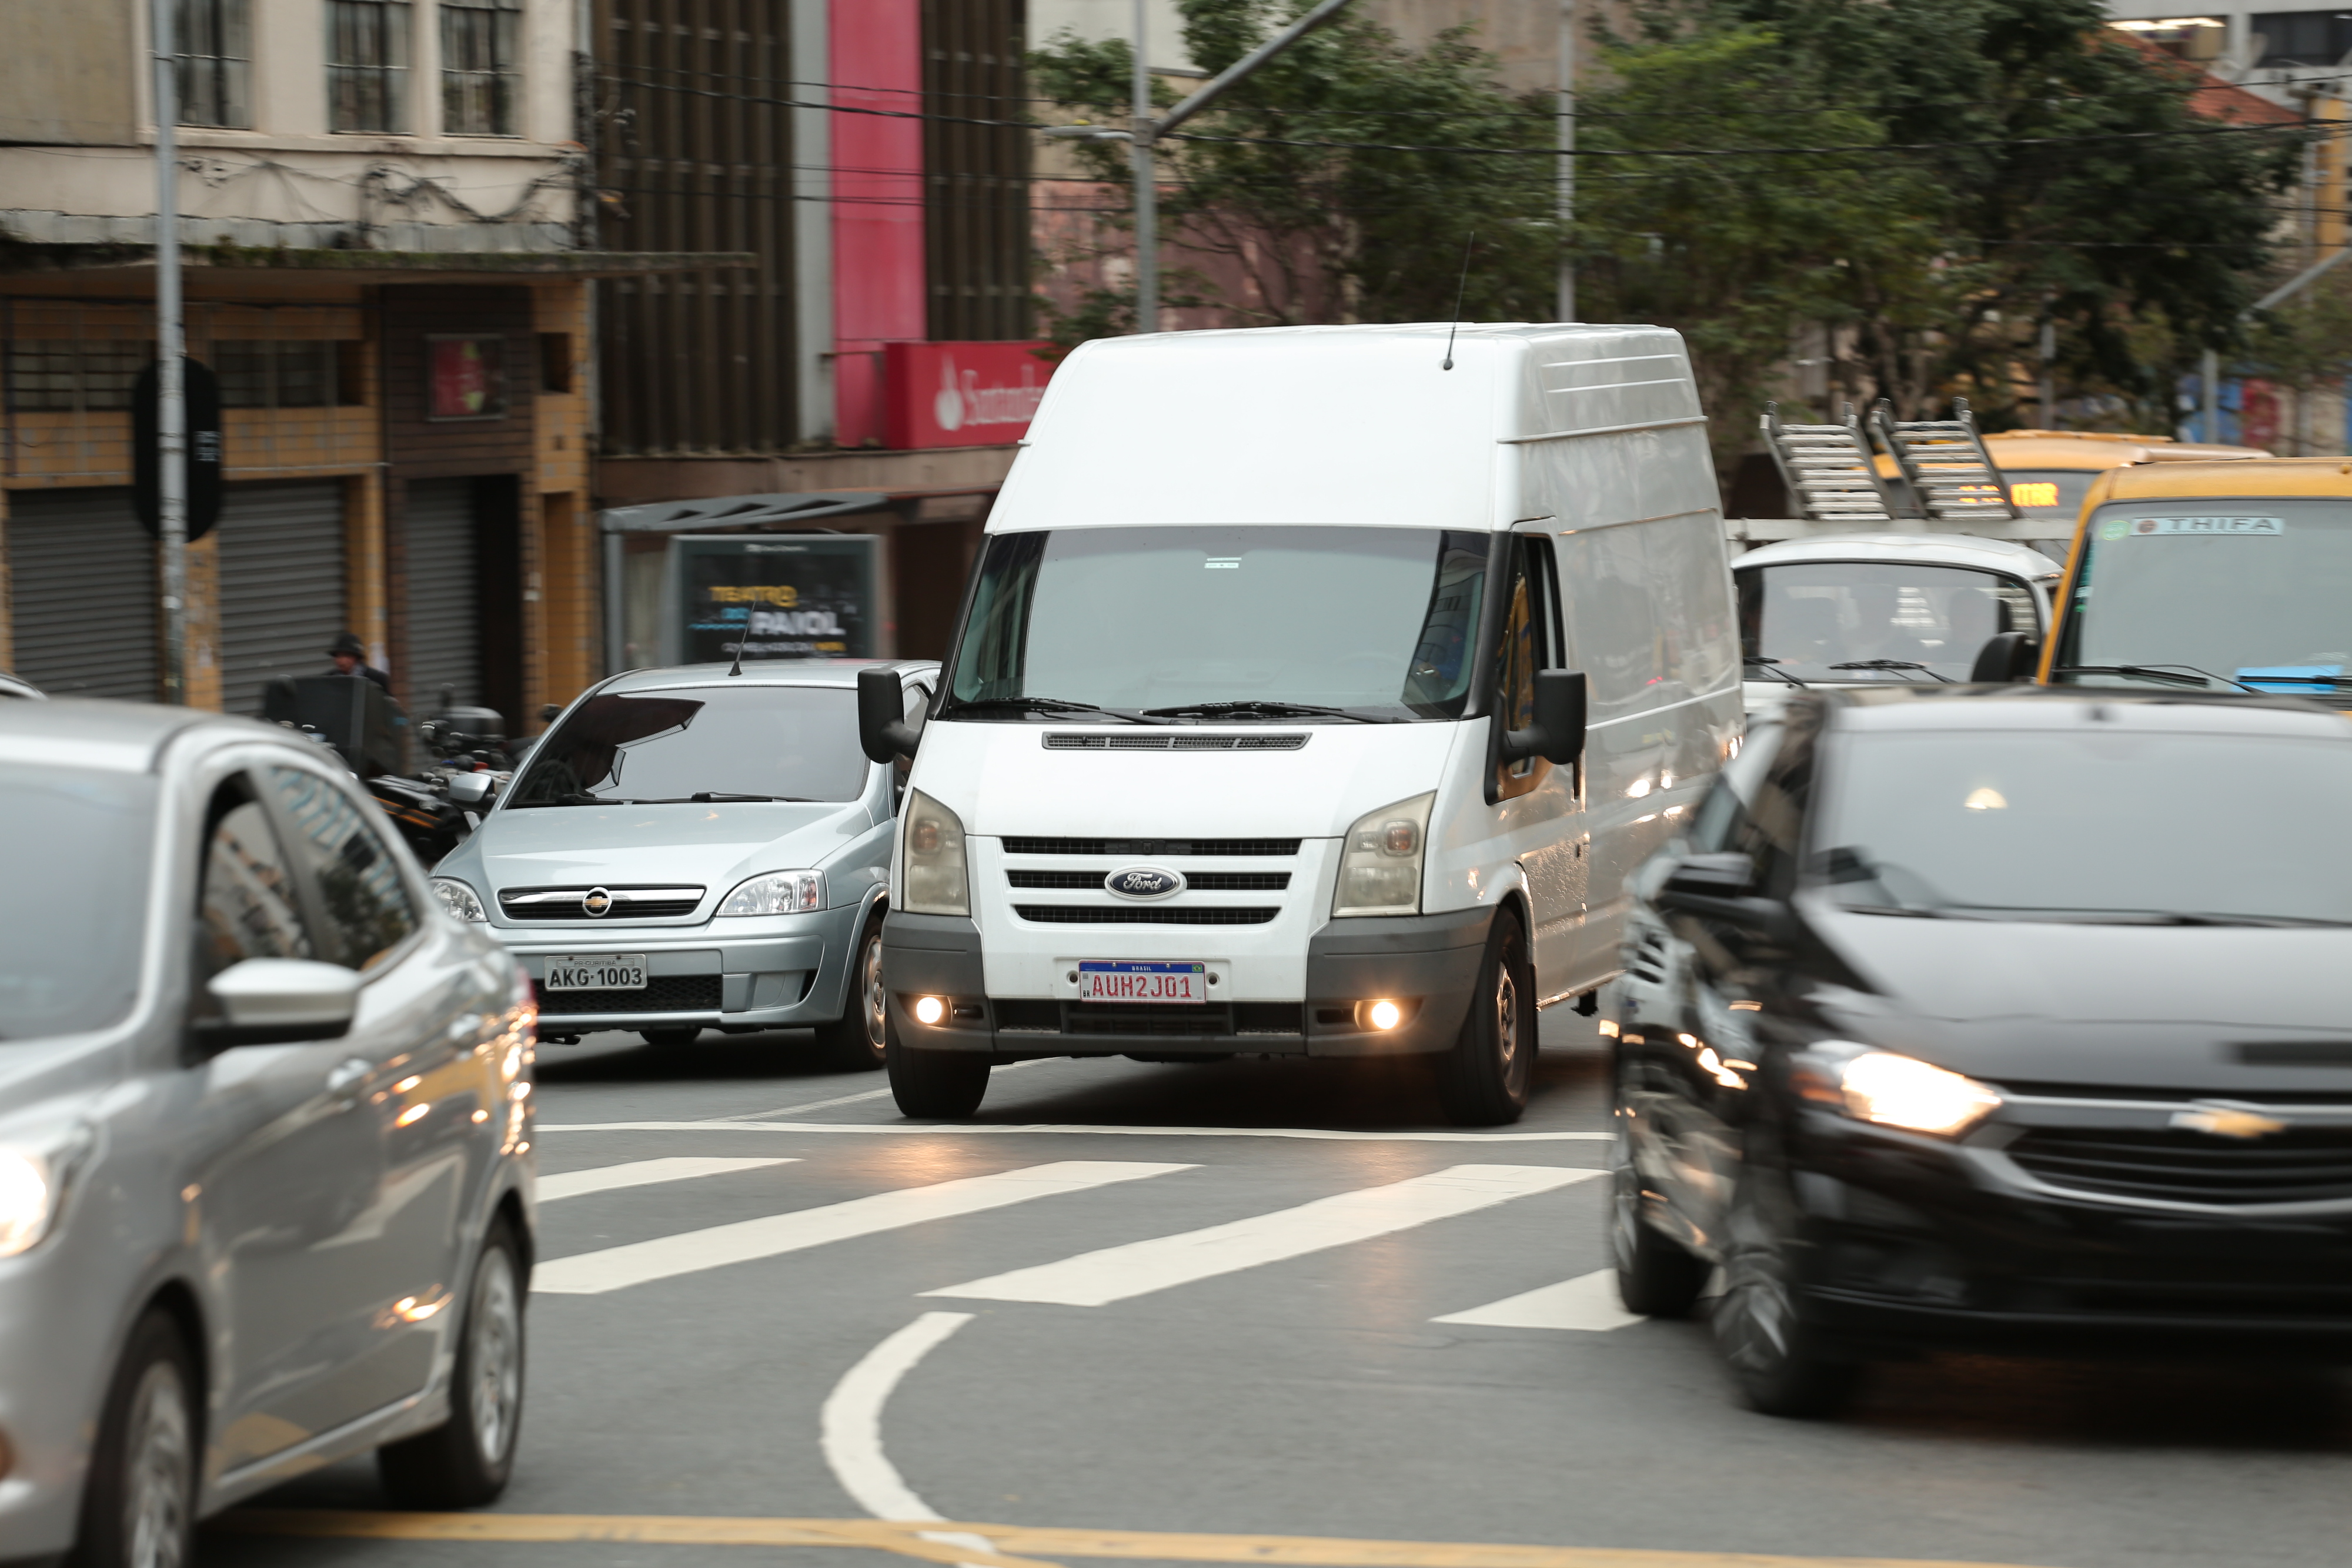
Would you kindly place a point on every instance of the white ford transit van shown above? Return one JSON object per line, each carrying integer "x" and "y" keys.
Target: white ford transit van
{"x": 1316, "y": 691}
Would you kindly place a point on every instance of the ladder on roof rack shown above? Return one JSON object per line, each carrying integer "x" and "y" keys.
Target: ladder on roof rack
{"x": 1828, "y": 469}
{"x": 1943, "y": 461}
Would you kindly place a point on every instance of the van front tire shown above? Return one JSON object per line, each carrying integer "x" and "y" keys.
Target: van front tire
{"x": 934, "y": 1085}
{"x": 1484, "y": 1081}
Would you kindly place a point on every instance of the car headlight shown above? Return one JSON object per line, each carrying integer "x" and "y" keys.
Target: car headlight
{"x": 933, "y": 866}
{"x": 32, "y": 1181}
{"x": 777, "y": 892}
{"x": 1380, "y": 859}
{"x": 1904, "y": 1092}
{"x": 459, "y": 899}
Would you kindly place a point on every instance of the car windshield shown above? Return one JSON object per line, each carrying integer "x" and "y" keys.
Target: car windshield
{"x": 697, "y": 745}
{"x": 2214, "y": 593}
{"x": 76, "y": 851}
{"x": 1221, "y": 622}
{"x": 2063, "y": 825}
{"x": 1850, "y": 620}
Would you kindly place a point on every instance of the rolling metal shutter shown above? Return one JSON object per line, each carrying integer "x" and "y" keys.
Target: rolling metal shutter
{"x": 445, "y": 638}
{"x": 281, "y": 585}
{"x": 83, "y": 598}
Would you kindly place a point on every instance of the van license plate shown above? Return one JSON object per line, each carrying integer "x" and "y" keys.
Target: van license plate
{"x": 597, "y": 972}
{"x": 1139, "y": 980}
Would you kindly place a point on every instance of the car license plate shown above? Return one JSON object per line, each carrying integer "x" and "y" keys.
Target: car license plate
{"x": 1142, "y": 980}
{"x": 597, "y": 972}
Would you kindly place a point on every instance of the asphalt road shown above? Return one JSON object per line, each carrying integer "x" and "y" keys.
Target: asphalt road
{"x": 983, "y": 1323}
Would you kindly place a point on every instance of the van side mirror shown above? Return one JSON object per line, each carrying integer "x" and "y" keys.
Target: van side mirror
{"x": 275, "y": 1002}
{"x": 883, "y": 732}
{"x": 2007, "y": 656}
{"x": 1558, "y": 734}
{"x": 473, "y": 789}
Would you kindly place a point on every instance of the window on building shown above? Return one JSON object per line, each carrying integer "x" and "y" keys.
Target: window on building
{"x": 2183, "y": 37}
{"x": 367, "y": 65}
{"x": 288, "y": 373}
{"x": 481, "y": 77}
{"x": 2289, "y": 38}
{"x": 555, "y": 362}
{"x": 61, "y": 375}
{"x": 216, "y": 54}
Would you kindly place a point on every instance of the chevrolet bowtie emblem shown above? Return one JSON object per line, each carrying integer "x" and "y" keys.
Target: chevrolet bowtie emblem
{"x": 595, "y": 903}
{"x": 2227, "y": 1122}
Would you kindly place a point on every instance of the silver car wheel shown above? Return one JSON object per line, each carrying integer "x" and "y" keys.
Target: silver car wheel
{"x": 876, "y": 1001}
{"x": 1507, "y": 1019}
{"x": 495, "y": 1398}
{"x": 158, "y": 1453}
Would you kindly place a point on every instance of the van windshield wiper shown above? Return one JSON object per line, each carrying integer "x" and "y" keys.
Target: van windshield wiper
{"x": 1893, "y": 665}
{"x": 2178, "y": 675}
{"x": 1034, "y": 705}
{"x": 1261, "y": 709}
{"x": 1758, "y": 662}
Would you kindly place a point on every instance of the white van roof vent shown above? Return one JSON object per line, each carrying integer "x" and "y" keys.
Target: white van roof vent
{"x": 1065, "y": 740}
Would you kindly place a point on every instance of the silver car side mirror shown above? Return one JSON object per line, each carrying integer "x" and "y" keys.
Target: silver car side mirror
{"x": 473, "y": 789}
{"x": 271, "y": 1001}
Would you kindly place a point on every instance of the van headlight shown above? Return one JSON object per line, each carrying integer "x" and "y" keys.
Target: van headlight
{"x": 34, "y": 1175}
{"x": 932, "y": 867}
{"x": 1380, "y": 859}
{"x": 459, "y": 900}
{"x": 777, "y": 892}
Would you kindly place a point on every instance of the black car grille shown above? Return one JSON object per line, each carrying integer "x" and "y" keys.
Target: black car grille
{"x": 1095, "y": 914}
{"x": 1198, "y": 847}
{"x": 1149, "y": 1020}
{"x": 1197, "y": 882}
{"x": 2300, "y": 1164}
{"x": 1645, "y": 960}
{"x": 563, "y": 903}
{"x": 663, "y": 994}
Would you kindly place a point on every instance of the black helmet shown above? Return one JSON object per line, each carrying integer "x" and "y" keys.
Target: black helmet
{"x": 348, "y": 643}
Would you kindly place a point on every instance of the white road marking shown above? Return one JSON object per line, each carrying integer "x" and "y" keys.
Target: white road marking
{"x": 846, "y": 1099}
{"x": 956, "y": 1129}
{"x": 852, "y": 1427}
{"x": 1116, "y": 1273}
{"x": 643, "y": 1173}
{"x": 1587, "y": 1304}
{"x": 664, "y": 1257}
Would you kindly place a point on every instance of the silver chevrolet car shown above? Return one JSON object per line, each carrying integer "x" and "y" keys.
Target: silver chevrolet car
{"x": 693, "y": 847}
{"x": 266, "y": 1180}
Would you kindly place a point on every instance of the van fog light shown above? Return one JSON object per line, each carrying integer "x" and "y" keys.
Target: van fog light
{"x": 1384, "y": 1013}
{"x": 930, "y": 1009}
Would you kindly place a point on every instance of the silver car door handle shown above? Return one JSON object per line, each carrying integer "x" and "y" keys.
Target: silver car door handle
{"x": 343, "y": 1084}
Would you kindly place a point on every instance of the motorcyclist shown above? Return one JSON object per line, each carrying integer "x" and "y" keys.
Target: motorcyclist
{"x": 350, "y": 655}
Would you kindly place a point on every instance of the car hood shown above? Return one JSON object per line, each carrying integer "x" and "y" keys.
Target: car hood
{"x": 715, "y": 845}
{"x": 2172, "y": 1007}
{"x": 35, "y": 1074}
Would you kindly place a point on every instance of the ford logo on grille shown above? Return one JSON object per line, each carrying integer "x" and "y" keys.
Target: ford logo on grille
{"x": 1144, "y": 882}
{"x": 596, "y": 903}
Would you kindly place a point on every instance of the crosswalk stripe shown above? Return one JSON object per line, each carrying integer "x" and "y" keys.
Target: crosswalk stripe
{"x": 1115, "y": 1273}
{"x": 643, "y": 1173}
{"x": 1587, "y": 1304}
{"x": 664, "y": 1257}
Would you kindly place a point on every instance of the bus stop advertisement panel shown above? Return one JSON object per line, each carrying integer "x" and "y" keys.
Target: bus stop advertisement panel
{"x": 780, "y": 598}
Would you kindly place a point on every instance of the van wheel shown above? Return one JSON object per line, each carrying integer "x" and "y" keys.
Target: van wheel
{"x": 139, "y": 1510}
{"x": 934, "y": 1085}
{"x": 852, "y": 1042}
{"x": 467, "y": 1459}
{"x": 1484, "y": 1081}
{"x": 1779, "y": 1358}
{"x": 1655, "y": 1277}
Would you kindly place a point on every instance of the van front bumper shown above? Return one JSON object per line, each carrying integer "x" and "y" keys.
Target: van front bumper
{"x": 1430, "y": 962}
{"x": 785, "y": 971}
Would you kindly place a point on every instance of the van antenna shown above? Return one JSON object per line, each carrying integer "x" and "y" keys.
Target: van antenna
{"x": 1459, "y": 290}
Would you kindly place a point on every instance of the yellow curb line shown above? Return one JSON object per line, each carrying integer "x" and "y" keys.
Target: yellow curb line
{"x": 906, "y": 1540}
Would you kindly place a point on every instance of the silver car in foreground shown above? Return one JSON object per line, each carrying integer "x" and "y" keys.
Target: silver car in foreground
{"x": 692, "y": 848}
{"x": 266, "y": 1181}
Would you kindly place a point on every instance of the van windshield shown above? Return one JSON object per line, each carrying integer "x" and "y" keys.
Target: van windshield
{"x": 1364, "y": 623}
{"x": 2214, "y": 593}
{"x": 78, "y": 851}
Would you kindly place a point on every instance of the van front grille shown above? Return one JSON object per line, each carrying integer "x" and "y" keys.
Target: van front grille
{"x": 1123, "y": 914}
{"x": 1030, "y": 1014}
{"x": 1195, "y": 881}
{"x": 1172, "y": 848}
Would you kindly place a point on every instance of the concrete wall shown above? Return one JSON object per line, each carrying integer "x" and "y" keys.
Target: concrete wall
{"x": 62, "y": 74}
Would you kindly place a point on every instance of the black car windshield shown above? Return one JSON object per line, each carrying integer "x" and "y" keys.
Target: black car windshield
{"x": 2253, "y": 592}
{"x": 76, "y": 851}
{"x": 1853, "y": 621}
{"x": 1223, "y": 622}
{"x": 700, "y": 745}
{"x": 2105, "y": 823}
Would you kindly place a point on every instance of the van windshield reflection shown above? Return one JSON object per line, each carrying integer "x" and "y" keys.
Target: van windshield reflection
{"x": 1222, "y": 624}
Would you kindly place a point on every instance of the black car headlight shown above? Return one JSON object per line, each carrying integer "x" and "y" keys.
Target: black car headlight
{"x": 1889, "y": 1089}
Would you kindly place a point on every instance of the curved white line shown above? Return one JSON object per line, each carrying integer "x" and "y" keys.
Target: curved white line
{"x": 852, "y": 1427}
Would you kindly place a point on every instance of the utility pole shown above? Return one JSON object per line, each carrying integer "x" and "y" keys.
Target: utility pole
{"x": 1146, "y": 132}
{"x": 1567, "y": 307}
{"x": 172, "y": 404}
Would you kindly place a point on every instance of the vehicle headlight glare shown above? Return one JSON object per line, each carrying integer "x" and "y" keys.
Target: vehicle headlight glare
{"x": 1903, "y": 1092}
{"x": 1380, "y": 859}
{"x": 777, "y": 892}
{"x": 929, "y": 1010}
{"x": 931, "y": 872}
{"x": 28, "y": 1200}
{"x": 459, "y": 900}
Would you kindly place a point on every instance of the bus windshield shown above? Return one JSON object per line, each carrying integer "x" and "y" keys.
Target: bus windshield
{"x": 2213, "y": 592}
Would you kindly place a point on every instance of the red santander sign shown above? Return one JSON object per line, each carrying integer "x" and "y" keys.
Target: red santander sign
{"x": 961, "y": 394}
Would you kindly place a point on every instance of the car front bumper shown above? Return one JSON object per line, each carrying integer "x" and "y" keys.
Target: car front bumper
{"x": 772, "y": 972}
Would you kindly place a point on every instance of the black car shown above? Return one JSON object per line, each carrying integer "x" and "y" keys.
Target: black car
{"x": 1996, "y": 1016}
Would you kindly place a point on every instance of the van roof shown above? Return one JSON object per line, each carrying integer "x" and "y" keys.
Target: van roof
{"x": 2280, "y": 476}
